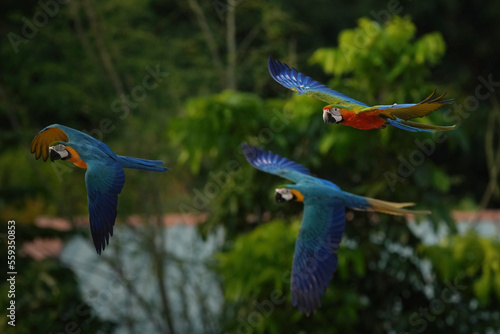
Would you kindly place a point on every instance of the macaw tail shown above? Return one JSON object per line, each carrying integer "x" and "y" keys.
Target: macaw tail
{"x": 416, "y": 127}
{"x": 393, "y": 208}
{"x": 371, "y": 204}
{"x": 136, "y": 163}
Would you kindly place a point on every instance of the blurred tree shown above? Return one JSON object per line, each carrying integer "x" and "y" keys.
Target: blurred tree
{"x": 389, "y": 65}
{"x": 473, "y": 261}
{"x": 54, "y": 290}
{"x": 89, "y": 62}
{"x": 257, "y": 279}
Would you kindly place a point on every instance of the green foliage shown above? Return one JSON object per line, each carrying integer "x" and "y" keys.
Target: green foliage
{"x": 270, "y": 260}
{"x": 257, "y": 273}
{"x": 48, "y": 300}
{"x": 71, "y": 73}
{"x": 474, "y": 259}
{"x": 381, "y": 56}
{"x": 203, "y": 131}
{"x": 383, "y": 64}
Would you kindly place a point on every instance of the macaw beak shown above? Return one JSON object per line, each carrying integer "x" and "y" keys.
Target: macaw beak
{"x": 288, "y": 195}
{"x": 283, "y": 195}
{"x": 332, "y": 115}
{"x": 279, "y": 198}
{"x": 53, "y": 155}
{"x": 58, "y": 152}
{"x": 327, "y": 117}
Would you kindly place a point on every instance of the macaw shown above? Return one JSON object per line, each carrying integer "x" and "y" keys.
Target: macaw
{"x": 323, "y": 221}
{"x": 104, "y": 177}
{"x": 348, "y": 111}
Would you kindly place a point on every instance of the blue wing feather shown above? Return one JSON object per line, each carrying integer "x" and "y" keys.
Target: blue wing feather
{"x": 274, "y": 164}
{"x": 104, "y": 182}
{"x": 315, "y": 258}
{"x": 82, "y": 138}
{"x": 104, "y": 177}
{"x": 397, "y": 123}
{"x": 302, "y": 84}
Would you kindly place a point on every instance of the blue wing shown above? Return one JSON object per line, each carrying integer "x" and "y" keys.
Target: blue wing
{"x": 302, "y": 84}
{"x": 274, "y": 164}
{"x": 60, "y": 133}
{"x": 104, "y": 180}
{"x": 315, "y": 258}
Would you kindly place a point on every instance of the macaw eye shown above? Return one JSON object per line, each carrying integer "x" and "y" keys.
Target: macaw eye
{"x": 336, "y": 110}
{"x": 59, "y": 148}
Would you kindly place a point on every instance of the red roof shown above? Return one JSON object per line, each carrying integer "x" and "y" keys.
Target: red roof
{"x": 41, "y": 248}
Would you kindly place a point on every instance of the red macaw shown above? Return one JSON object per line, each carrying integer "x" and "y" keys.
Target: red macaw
{"x": 104, "y": 176}
{"x": 345, "y": 110}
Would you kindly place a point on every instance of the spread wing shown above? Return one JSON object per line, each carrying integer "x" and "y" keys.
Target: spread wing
{"x": 274, "y": 164}
{"x": 45, "y": 138}
{"x": 104, "y": 180}
{"x": 412, "y": 110}
{"x": 302, "y": 84}
{"x": 315, "y": 258}
{"x": 59, "y": 133}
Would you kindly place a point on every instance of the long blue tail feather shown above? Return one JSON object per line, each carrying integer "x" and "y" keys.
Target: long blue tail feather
{"x": 137, "y": 163}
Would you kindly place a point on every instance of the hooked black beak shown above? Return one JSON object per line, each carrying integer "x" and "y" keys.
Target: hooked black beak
{"x": 328, "y": 118}
{"x": 54, "y": 155}
{"x": 279, "y": 198}
{"x": 332, "y": 115}
{"x": 58, "y": 152}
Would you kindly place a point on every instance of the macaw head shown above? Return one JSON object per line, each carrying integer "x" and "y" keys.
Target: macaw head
{"x": 287, "y": 195}
{"x": 58, "y": 152}
{"x": 332, "y": 115}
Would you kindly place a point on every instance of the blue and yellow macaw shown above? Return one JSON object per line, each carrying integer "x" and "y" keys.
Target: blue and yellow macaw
{"x": 104, "y": 176}
{"x": 347, "y": 111}
{"x": 323, "y": 221}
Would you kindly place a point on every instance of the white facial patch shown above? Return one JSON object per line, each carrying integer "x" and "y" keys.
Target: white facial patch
{"x": 60, "y": 149}
{"x": 285, "y": 193}
{"x": 332, "y": 114}
{"x": 335, "y": 112}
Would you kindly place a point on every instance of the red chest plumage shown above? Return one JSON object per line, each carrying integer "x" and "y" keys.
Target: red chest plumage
{"x": 363, "y": 121}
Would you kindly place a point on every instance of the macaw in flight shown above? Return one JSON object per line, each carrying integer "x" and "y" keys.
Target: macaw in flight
{"x": 104, "y": 176}
{"x": 323, "y": 221}
{"x": 345, "y": 110}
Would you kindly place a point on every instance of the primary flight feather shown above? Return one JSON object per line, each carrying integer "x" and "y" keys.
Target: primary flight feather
{"x": 104, "y": 177}
{"x": 342, "y": 109}
{"x": 323, "y": 221}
